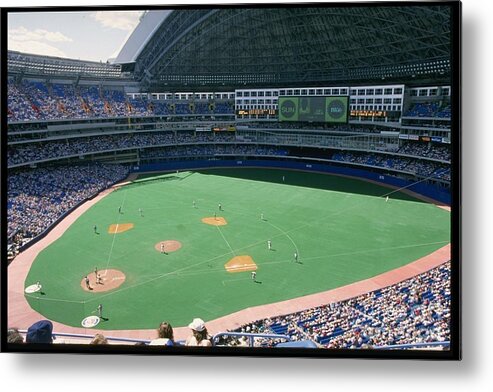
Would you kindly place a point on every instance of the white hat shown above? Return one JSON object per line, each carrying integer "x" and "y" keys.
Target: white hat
{"x": 197, "y": 325}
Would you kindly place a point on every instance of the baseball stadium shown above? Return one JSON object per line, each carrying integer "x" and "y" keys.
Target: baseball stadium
{"x": 237, "y": 177}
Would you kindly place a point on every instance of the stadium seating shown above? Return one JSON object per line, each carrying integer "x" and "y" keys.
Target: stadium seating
{"x": 415, "y": 166}
{"x": 34, "y": 100}
{"x": 415, "y": 310}
{"x": 428, "y": 110}
{"x": 38, "y": 197}
{"x": 25, "y": 153}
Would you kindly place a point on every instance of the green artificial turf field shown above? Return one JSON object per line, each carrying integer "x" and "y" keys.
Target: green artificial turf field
{"x": 343, "y": 230}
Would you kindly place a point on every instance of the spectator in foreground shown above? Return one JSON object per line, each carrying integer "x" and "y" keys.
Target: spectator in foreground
{"x": 165, "y": 336}
{"x": 199, "y": 337}
{"x": 40, "y": 332}
{"x": 13, "y": 336}
{"x": 99, "y": 339}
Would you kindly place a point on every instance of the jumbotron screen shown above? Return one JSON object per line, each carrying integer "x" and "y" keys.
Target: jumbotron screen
{"x": 319, "y": 109}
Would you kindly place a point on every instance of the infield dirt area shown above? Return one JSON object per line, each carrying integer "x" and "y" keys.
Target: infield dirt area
{"x": 110, "y": 279}
{"x": 120, "y": 228}
{"x": 218, "y": 221}
{"x": 168, "y": 246}
{"x": 240, "y": 264}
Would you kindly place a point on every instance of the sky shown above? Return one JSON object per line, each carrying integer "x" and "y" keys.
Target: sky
{"x": 95, "y": 36}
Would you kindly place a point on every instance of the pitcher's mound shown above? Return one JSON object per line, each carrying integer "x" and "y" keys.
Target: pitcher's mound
{"x": 219, "y": 221}
{"x": 110, "y": 280}
{"x": 240, "y": 264}
{"x": 120, "y": 228}
{"x": 169, "y": 246}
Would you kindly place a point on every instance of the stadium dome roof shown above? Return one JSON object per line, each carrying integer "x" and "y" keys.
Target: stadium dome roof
{"x": 292, "y": 45}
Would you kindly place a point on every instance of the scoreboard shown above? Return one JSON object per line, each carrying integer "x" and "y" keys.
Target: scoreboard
{"x": 255, "y": 112}
{"x": 330, "y": 109}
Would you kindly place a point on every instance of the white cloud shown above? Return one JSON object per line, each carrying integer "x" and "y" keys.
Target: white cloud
{"x": 36, "y": 47}
{"x": 23, "y": 34}
{"x": 120, "y": 20}
{"x": 36, "y": 41}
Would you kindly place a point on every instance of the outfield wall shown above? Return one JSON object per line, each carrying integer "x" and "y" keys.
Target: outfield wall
{"x": 434, "y": 192}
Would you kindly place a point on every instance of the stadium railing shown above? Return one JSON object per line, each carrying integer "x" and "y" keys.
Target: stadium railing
{"x": 78, "y": 337}
{"x": 443, "y": 345}
{"x": 251, "y": 336}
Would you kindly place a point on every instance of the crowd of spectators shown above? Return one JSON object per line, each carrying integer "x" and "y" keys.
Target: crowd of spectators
{"x": 211, "y": 150}
{"x": 18, "y": 108}
{"x": 33, "y": 100}
{"x": 25, "y": 153}
{"x": 416, "y": 310}
{"x": 38, "y": 197}
{"x": 429, "y": 109}
{"x": 22, "y": 153}
{"x": 429, "y": 150}
{"x": 33, "y": 152}
{"x": 312, "y": 126}
{"x": 41, "y": 332}
{"x": 414, "y": 166}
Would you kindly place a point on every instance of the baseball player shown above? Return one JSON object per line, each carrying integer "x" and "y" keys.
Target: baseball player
{"x": 88, "y": 285}
{"x": 96, "y": 271}
{"x": 262, "y": 216}
{"x": 162, "y": 248}
{"x": 141, "y": 212}
{"x": 95, "y": 229}
{"x": 214, "y": 215}
{"x": 38, "y": 285}
{"x": 220, "y": 207}
{"x": 269, "y": 244}
{"x": 99, "y": 280}
{"x": 386, "y": 199}
{"x": 283, "y": 178}
{"x": 193, "y": 204}
{"x": 254, "y": 276}
{"x": 295, "y": 257}
{"x": 120, "y": 210}
{"x": 100, "y": 311}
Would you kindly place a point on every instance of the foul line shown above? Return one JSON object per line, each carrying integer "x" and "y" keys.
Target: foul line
{"x": 224, "y": 238}
{"x": 287, "y": 235}
{"x": 408, "y": 186}
{"x": 233, "y": 280}
{"x": 55, "y": 299}
{"x": 114, "y": 234}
